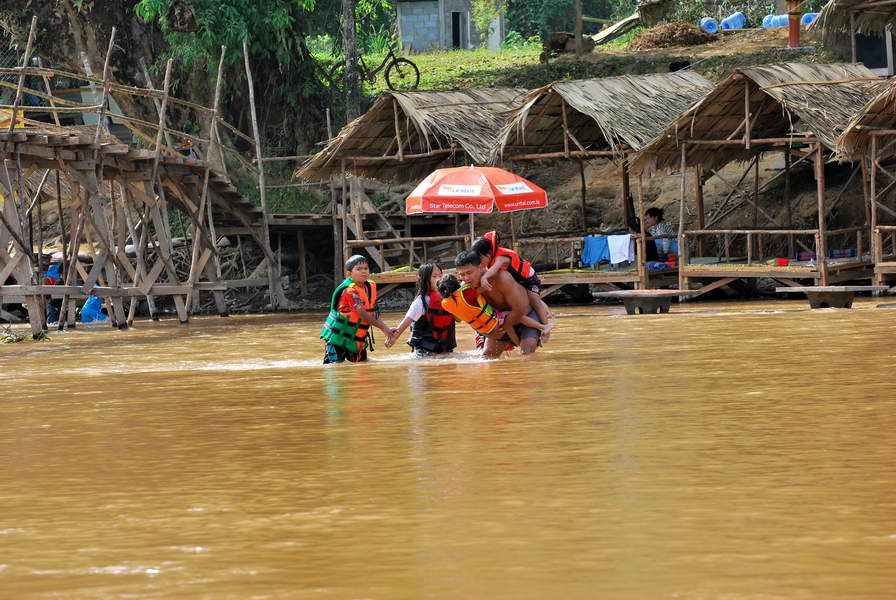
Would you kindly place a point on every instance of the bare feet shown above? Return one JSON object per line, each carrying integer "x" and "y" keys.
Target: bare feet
{"x": 546, "y": 333}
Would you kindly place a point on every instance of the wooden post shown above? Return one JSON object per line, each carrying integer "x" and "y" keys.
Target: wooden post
{"x": 148, "y": 80}
{"x": 876, "y": 238}
{"x": 205, "y": 204}
{"x": 701, "y": 211}
{"x": 787, "y": 203}
{"x": 343, "y": 215}
{"x": 747, "y": 113}
{"x": 472, "y": 228}
{"x": 303, "y": 267}
{"x": 273, "y": 272}
{"x": 756, "y": 192}
{"x": 25, "y": 58}
{"x": 101, "y": 118}
{"x": 852, "y": 35}
{"x": 749, "y": 248}
{"x": 49, "y": 89}
{"x": 626, "y": 194}
{"x": 682, "y": 280}
{"x": 584, "y": 194}
{"x": 727, "y": 247}
{"x": 822, "y": 258}
{"x": 643, "y": 282}
{"x": 565, "y": 127}
{"x": 577, "y": 5}
{"x": 397, "y": 129}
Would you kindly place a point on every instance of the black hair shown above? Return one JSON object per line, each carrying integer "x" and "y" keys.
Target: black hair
{"x": 424, "y": 274}
{"x": 468, "y": 257}
{"x": 655, "y": 212}
{"x": 481, "y": 247}
{"x": 354, "y": 261}
{"x": 447, "y": 285}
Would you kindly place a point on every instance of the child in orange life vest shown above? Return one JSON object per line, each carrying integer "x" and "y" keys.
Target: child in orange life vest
{"x": 468, "y": 305}
{"x": 347, "y": 328}
{"x": 433, "y": 327}
{"x": 496, "y": 259}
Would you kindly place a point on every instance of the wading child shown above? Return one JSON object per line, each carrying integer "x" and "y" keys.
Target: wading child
{"x": 433, "y": 327}
{"x": 468, "y": 305}
{"x": 347, "y": 329}
{"x": 495, "y": 259}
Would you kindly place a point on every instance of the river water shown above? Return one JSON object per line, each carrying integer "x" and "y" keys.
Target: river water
{"x": 724, "y": 451}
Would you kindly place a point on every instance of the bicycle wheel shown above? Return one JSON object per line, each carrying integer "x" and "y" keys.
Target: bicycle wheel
{"x": 402, "y": 75}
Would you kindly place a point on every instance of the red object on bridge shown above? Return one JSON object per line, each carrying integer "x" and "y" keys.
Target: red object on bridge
{"x": 474, "y": 190}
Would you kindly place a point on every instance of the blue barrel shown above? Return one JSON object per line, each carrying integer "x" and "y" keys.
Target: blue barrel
{"x": 808, "y": 18}
{"x": 709, "y": 25}
{"x": 736, "y": 21}
{"x": 775, "y": 21}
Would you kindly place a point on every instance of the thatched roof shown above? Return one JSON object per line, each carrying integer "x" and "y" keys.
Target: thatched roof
{"x": 784, "y": 99}
{"x": 467, "y": 120}
{"x": 879, "y": 112}
{"x": 833, "y": 21}
{"x": 602, "y": 114}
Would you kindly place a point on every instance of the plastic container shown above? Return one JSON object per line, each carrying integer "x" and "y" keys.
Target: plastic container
{"x": 808, "y": 18}
{"x": 709, "y": 25}
{"x": 92, "y": 310}
{"x": 736, "y": 21}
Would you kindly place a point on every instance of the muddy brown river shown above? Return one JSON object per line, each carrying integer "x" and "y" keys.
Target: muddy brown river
{"x": 733, "y": 451}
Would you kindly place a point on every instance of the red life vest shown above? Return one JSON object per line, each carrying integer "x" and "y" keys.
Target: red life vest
{"x": 440, "y": 320}
{"x": 519, "y": 268}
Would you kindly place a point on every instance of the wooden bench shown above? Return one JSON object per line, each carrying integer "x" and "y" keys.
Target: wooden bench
{"x": 832, "y": 296}
{"x": 646, "y": 302}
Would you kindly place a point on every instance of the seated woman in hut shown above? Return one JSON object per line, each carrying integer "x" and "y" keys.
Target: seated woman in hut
{"x": 653, "y": 218}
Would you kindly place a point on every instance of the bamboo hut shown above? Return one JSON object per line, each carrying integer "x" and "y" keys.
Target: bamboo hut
{"x": 598, "y": 118}
{"x": 840, "y": 20}
{"x": 870, "y": 138}
{"x": 796, "y": 109}
{"x": 405, "y": 135}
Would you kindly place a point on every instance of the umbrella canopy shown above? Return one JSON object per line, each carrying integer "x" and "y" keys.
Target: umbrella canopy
{"x": 474, "y": 190}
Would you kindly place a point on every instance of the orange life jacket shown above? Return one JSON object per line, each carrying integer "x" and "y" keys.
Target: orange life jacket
{"x": 468, "y": 305}
{"x": 520, "y": 269}
{"x": 344, "y": 327}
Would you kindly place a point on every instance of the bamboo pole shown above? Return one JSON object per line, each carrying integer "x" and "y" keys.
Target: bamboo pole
{"x": 148, "y": 79}
{"x": 626, "y": 194}
{"x": 643, "y": 282}
{"x": 821, "y": 259}
{"x": 682, "y": 280}
{"x": 788, "y": 203}
{"x": 701, "y": 209}
{"x": 273, "y": 272}
{"x": 584, "y": 195}
{"x": 25, "y": 58}
{"x": 876, "y": 238}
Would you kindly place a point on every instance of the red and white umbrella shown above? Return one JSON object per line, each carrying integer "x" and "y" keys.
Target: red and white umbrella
{"x": 473, "y": 190}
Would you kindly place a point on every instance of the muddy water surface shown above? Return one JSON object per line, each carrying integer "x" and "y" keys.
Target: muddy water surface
{"x": 740, "y": 451}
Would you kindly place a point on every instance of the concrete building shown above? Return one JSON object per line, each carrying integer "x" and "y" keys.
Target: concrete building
{"x": 428, "y": 25}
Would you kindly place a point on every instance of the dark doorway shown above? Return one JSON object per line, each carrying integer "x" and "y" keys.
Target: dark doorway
{"x": 456, "y": 29}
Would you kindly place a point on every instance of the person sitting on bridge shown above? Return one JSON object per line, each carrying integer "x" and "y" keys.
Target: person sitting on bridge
{"x": 347, "y": 328}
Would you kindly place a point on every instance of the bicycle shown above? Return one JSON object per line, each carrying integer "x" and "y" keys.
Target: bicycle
{"x": 401, "y": 73}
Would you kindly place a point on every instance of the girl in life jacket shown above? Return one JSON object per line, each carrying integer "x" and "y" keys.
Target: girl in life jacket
{"x": 468, "y": 305}
{"x": 494, "y": 259}
{"x": 432, "y": 331}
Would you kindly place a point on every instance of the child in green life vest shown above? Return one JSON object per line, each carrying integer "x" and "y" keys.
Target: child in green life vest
{"x": 347, "y": 328}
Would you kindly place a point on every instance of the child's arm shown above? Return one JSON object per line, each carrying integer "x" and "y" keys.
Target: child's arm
{"x": 530, "y": 322}
{"x": 375, "y": 321}
{"x": 492, "y": 271}
{"x": 396, "y": 333}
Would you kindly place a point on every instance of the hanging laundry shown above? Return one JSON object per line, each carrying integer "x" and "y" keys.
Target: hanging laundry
{"x": 594, "y": 249}
{"x": 622, "y": 248}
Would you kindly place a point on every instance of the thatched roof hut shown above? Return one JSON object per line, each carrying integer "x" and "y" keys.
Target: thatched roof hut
{"x": 609, "y": 114}
{"x": 405, "y": 135}
{"x": 834, "y": 19}
{"x": 879, "y": 113}
{"x": 819, "y": 99}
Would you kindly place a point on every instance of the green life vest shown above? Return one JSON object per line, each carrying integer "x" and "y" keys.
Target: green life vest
{"x": 348, "y": 331}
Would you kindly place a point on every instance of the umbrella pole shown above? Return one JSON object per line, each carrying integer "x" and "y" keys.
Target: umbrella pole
{"x": 472, "y": 228}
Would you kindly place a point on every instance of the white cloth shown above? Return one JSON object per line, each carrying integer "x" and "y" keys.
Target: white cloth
{"x": 416, "y": 310}
{"x": 622, "y": 248}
